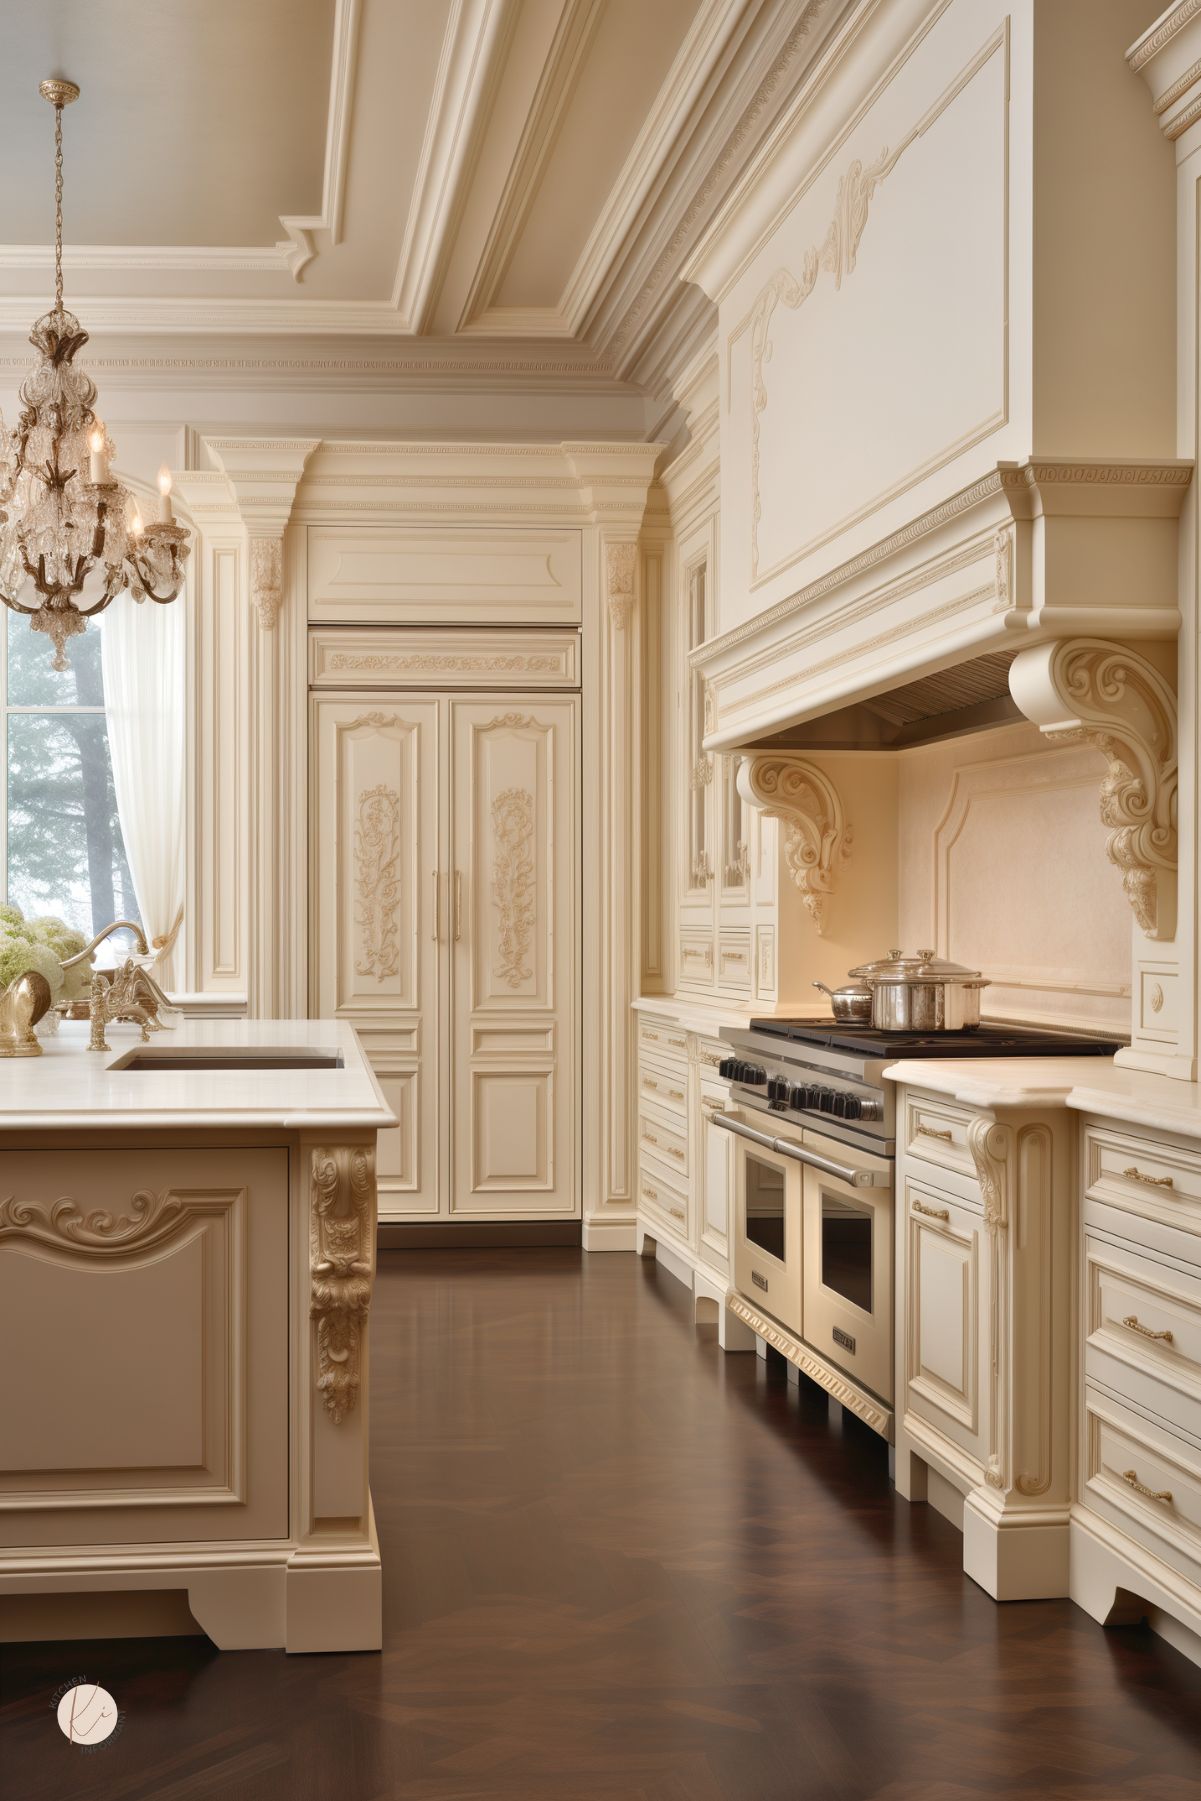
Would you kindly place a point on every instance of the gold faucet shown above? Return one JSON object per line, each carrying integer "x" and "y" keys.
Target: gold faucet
{"x": 118, "y": 925}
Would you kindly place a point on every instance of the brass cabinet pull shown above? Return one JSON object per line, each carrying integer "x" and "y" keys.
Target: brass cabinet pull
{"x": 434, "y": 932}
{"x": 647, "y": 1033}
{"x": 1135, "y": 1324}
{"x": 1140, "y": 1488}
{"x": 671, "y": 1149}
{"x": 649, "y": 1193}
{"x": 458, "y": 905}
{"x": 1135, "y": 1174}
{"x": 676, "y": 1212}
{"x": 931, "y": 1212}
{"x": 934, "y": 1132}
{"x": 650, "y": 1082}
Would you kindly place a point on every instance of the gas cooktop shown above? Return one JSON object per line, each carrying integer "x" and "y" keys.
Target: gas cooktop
{"x": 990, "y": 1039}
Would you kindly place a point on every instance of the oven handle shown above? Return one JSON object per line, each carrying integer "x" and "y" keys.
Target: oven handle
{"x": 855, "y": 1176}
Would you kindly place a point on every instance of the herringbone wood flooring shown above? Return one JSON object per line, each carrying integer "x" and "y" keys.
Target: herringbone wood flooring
{"x": 620, "y": 1567}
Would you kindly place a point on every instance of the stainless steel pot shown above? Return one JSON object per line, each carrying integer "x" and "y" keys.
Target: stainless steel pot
{"x": 850, "y": 1006}
{"x": 922, "y": 993}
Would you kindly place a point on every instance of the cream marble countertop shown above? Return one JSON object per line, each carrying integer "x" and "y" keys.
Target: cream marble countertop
{"x": 1085, "y": 1084}
{"x": 70, "y": 1086}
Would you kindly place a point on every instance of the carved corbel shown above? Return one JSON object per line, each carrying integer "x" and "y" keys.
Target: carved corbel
{"x": 988, "y": 1143}
{"x": 267, "y": 579}
{"x": 817, "y": 837}
{"x": 1091, "y": 691}
{"x": 341, "y": 1268}
{"x": 620, "y": 560}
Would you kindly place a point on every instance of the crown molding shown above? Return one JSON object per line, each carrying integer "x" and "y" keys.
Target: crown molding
{"x": 469, "y": 71}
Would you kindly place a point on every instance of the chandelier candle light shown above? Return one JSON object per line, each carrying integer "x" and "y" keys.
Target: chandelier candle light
{"x": 66, "y": 525}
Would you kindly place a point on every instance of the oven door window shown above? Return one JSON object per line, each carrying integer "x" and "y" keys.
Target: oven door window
{"x": 765, "y": 1227}
{"x": 847, "y": 1227}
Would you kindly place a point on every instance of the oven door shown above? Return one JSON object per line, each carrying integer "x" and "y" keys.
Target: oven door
{"x": 767, "y": 1223}
{"x": 848, "y": 1266}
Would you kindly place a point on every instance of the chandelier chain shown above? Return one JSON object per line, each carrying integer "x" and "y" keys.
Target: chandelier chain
{"x": 58, "y": 208}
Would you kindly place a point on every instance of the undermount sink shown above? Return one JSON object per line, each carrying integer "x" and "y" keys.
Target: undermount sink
{"x": 201, "y": 1057}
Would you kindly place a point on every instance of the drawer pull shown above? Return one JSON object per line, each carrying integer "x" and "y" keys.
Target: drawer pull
{"x": 649, "y": 1193}
{"x": 934, "y": 1132}
{"x": 671, "y": 1149}
{"x": 676, "y": 1212}
{"x": 1135, "y": 1174}
{"x": 710, "y": 1058}
{"x": 1135, "y": 1324}
{"x": 931, "y": 1212}
{"x": 650, "y": 1082}
{"x": 1140, "y": 1488}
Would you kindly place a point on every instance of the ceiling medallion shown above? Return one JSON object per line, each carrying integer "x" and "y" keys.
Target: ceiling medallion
{"x": 66, "y": 525}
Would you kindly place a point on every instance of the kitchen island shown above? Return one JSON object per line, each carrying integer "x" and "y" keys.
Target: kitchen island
{"x": 187, "y": 1251}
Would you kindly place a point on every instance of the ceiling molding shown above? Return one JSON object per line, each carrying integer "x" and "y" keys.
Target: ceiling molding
{"x": 300, "y": 246}
{"x": 556, "y": 84}
{"x": 469, "y": 70}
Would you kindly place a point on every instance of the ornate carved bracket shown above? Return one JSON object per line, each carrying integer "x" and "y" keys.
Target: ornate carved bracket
{"x": 1108, "y": 696}
{"x": 620, "y": 560}
{"x": 817, "y": 837}
{"x": 989, "y": 1144}
{"x": 267, "y": 579}
{"x": 341, "y": 1268}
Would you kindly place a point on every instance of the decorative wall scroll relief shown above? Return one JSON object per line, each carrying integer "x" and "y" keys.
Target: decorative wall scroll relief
{"x": 342, "y": 1206}
{"x": 267, "y": 579}
{"x": 620, "y": 562}
{"x": 513, "y": 881}
{"x": 989, "y": 1144}
{"x": 1092, "y": 691}
{"x": 377, "y": 880}
{"x": 817, "y": 837}
{"x": 151, "y": 1219}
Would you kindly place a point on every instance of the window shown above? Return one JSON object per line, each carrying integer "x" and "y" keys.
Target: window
{"x": 61, "y": 849}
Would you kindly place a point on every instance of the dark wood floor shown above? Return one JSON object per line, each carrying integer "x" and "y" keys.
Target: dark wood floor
{"x": 621, "y": 1567}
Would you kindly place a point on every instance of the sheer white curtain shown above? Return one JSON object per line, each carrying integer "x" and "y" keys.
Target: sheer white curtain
{"x": 142, "y": 648}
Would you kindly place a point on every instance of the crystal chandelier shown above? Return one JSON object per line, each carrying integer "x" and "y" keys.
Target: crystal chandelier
{"x": 66, "y": 526}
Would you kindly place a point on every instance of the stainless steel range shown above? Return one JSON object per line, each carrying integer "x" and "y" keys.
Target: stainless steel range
{"x": 813, "y": 1123}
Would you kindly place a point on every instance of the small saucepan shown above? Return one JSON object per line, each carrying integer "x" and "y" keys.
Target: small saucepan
{"x": 850, "y": 1006}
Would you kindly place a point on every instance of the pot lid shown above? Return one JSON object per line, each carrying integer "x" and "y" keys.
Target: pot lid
{"x": 922, "y": 966}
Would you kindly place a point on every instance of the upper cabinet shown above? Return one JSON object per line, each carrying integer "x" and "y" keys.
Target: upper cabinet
{"x": 926, "y": 347}
{"x": 415, "y": 575}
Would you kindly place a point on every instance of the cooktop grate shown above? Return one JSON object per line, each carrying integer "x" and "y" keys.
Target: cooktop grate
{"x": 995, "y": 1039}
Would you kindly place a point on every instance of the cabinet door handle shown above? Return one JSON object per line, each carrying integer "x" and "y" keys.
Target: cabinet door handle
{"x": 434, "y": 930}
{"x": 1140, "y": 1488}
{"x": 1135, "y": 1324}
{"x": 1135, "y": 1174}
{"x": 458, "y": 905}
{"x": 934, "y": 1132}
{"x": 932, "y": 1212}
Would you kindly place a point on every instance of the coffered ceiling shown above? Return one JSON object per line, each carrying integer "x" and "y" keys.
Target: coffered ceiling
{"x": 454, "y": 170}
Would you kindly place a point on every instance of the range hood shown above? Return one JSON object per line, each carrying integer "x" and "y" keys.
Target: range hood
{"x": 969, "y": 697}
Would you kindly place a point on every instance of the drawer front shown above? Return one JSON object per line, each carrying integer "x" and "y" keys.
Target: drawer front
{"x": 1145, "y": 1480}
{"x": 734, "y": 961}
{"x": 663, "y": 1205}
{"x": 661, "y": 1038}
{"x": 1143, "y": 1333}
{"x": 696, "y": 959}
{"x": 946, "y": 1345}
{"x": 709, "y": 1054}
{"x": 1150, "y": 1181}
{"x": 668, "y": 1143}
{"x": 663, "y": 1086}
{"x": 936, "y": 1132}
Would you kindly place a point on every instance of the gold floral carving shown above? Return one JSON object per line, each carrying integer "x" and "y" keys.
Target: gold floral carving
{"x": 435, "y": 662}
{"x": 1091, "y": 691}
{"x": 151, "y": 1219}
{"x": 377, "y": 879}
{"x": 513, "y": 880}
{"x": 620, "y": 561}
{"x": 817, "y": 837}
{"x": 267, "y": 579}
{"x": 341, "y": 1268}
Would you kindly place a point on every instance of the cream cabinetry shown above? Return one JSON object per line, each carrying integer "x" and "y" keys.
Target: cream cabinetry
{"x": 1136, "y": 1528}
{"x": 446, "y": 909}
